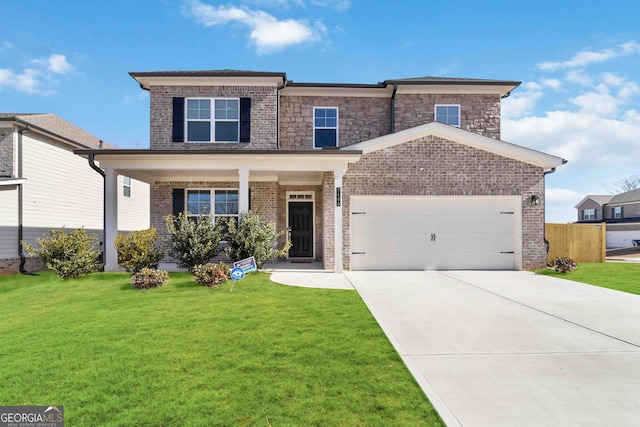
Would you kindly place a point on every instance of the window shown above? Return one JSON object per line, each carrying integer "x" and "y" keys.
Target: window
{"x": 617, "y": 212}
{"x": 588, "y": 214}
{"x": 225, "y": 203}
{"x": 448, "y": 114}
{"x": 126, "y": 187}
{"x": 325, "y": 127}
{"x": 220, "y": 125}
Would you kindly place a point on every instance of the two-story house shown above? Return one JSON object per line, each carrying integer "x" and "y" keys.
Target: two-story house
{"x": 402, "y": 174}
{"x": 621, "y": 213}
{"x": 43, "y": 186}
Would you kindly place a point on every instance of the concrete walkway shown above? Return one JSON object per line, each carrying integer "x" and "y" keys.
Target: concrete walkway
{"x": 512, "y": 348}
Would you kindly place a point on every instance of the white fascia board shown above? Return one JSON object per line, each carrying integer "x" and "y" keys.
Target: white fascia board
{"x": 457, "y": 89}
{"x": 351, "y": 92}
{"x": 470, "y": 139}
{"x": 12, "y": 181}
{"x": 148, "y": 81}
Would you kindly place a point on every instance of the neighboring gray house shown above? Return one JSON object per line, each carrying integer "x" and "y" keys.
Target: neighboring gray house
{"x": 621, "y": 213}
{"x": 43, "y": 185}
{"x": 402, "y": 174}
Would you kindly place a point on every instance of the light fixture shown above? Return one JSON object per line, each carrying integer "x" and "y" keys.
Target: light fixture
{"x": 535, "y": 200}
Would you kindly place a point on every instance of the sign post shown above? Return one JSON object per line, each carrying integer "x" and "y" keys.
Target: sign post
{"x": 240, "y": 268}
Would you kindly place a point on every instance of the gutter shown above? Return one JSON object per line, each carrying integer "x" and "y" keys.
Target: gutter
{"x": 393, "y": 108}
{"x": 96, "y": 168}
{"x": 23, "y": 258}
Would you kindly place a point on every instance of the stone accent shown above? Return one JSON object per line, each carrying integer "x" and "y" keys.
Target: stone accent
{"x": 478, "y": 113}
{"x": 328, "y": 221}
{"x": 6, "y": 152}
{"x": 12, "y": 265}
{"x": 449, "y": 169}
{"x": 359, "y": 119}
{"x": 264, "y": 110}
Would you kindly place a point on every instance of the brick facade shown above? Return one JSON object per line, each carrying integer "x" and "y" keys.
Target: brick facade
{"x": 264, "y": 119}
{"x": 591, "y": 204}
{"x": 6, "y": 152}
{"x": 449, "y": 169}
{"x": 318, "y": 214}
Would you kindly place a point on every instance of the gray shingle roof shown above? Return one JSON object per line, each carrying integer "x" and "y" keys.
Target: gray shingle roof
{"x": 629, "y": 196}
{"x": 56, "y": 126}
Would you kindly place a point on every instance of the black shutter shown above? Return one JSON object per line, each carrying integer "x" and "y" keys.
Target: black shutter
{"x": 178, "y": 201}
{"x": 178, "y": 120}
{"x": 245, "y": 119}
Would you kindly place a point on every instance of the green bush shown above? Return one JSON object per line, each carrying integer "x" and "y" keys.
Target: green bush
{"x": 212, "y": 275}
{"x": 68, "y": 255}
{"x": 253, "y": 238}
{"x": 149, "y": 278}
{"x": 139, "y": 249}
{"x": 562, "y": 264}
{"x": 194, "y": 241}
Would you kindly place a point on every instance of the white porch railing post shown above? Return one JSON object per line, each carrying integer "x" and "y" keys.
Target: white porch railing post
{"x": 243, "y": 191}
{"x": 110, "y": 220}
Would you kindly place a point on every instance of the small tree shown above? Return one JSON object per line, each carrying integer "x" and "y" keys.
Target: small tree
{"x": 194, "y": 241}
{"x": 253, "y": 238}
{"x": 139, "y": 249}
{"x": 68, "y": 255}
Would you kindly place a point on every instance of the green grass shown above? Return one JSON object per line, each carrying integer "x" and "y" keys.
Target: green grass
{"x": 620, "y": 276}
{"x": 186, "y": 355}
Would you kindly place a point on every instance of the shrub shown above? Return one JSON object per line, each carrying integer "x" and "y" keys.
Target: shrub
{"x": 68, "y": 255}
{"x": 194, "y": 241}
{"x": 562, "y": 264}
{"x": 252, "y": 237}
{"x": 149, "y": 278}
{"x": 139, "y": 249}
{"x": 212, "y": 275}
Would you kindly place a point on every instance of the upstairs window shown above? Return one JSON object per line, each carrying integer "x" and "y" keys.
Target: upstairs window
{"x": 448, "y": 114}
{"x": 213, "y": 119}
{"x": 617, "y": 212}
{"x": 325, "y": 127}
{"x": 126, "y": 186}
{"x": 588, "y": 214}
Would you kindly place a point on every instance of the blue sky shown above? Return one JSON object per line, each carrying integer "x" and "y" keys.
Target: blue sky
{"x": 578, "y": 61}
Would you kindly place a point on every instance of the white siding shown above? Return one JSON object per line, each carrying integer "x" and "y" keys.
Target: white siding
{"x": 8, "y": 222}
{"x": 134, "y": 211}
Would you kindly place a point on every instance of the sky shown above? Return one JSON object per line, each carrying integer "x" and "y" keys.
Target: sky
{"x": 578, "y": 61}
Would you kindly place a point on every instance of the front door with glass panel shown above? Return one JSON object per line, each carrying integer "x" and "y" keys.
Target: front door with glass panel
{"x": 301, "y": 229}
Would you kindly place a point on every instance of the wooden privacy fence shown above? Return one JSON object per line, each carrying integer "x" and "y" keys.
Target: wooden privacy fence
{"x": 580, "y": 242}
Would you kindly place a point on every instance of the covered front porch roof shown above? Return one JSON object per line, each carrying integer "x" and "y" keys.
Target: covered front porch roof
{"x": 295, "y": 166}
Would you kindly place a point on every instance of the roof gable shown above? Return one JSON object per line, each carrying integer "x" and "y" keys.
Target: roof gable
{"x": 600, "y": 199}
{"x": 470, "y": 139}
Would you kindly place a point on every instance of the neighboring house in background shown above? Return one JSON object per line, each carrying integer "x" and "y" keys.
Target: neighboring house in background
{"x": 621, "y": 213}
{"x": 402, "y": 174}
{"x": 43, "y": 185}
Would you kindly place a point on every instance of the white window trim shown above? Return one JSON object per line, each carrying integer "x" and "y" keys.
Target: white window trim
{"x": 584, "y": 216}
{"x": 212, "y": 207}
{"x": 125, "y": 186}
{"x": 617, "y": 212}
{"x": 321, "y": 127}
{"x": 312, "y": 199}
{"x": 212, "y": 120}
{"x": 435, "y": 114}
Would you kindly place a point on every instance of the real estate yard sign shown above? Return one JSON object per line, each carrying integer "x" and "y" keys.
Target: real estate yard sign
{"x": 240, "y": 268}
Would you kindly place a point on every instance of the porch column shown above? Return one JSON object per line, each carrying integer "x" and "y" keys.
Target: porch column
{"x": 337, "y": 210}
{"x": 110, "y": 220}
{"x": 243, "y": 191}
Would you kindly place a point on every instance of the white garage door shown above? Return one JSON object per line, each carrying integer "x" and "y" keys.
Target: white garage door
{"x": 423, "y": 233}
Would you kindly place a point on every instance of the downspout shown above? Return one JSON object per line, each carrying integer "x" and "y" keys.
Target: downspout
{"x": 23, "y": 258}
{"x": 95, "y": 167}
{"x": 544, "y": 207}
{"x": 393, "y": 108}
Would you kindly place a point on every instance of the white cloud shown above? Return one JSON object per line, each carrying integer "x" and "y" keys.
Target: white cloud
{"x": 579, "y": 77}
{"x": 340, "y": 5}
{"x": 268, "y": 33}
{"x": 38, "y": 77}
{"x": 559, "y": 203}
{"x": 552, "y": 83}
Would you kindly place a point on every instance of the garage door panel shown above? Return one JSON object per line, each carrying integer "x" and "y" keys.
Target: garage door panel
{"x": 407, "y": 232}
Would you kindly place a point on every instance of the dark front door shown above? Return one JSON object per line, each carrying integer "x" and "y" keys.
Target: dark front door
{"x": 301, "y": 229}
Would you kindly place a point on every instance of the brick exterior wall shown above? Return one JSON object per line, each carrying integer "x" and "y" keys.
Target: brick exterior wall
{"x": 12, "y": 265}
{"x": 590, "y": 204}
{"x": 478, "y": 113}
{"x": 631, "y": 210}
{"x": 264, "y": 102}
{"x": 264, "y": 198}
{"x": 328, "y": 226}
{"x": 450, "y": 169}
{"x": 360, "y": 119}
{"x": 6, "y": 151}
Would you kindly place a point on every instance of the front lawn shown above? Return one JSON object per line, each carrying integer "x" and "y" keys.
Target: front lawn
{"x": 621, "y": 276}
{"x": 183, "y": 354}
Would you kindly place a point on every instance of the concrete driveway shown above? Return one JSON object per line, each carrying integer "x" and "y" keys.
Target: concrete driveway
{"x": 512, "y": 348}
